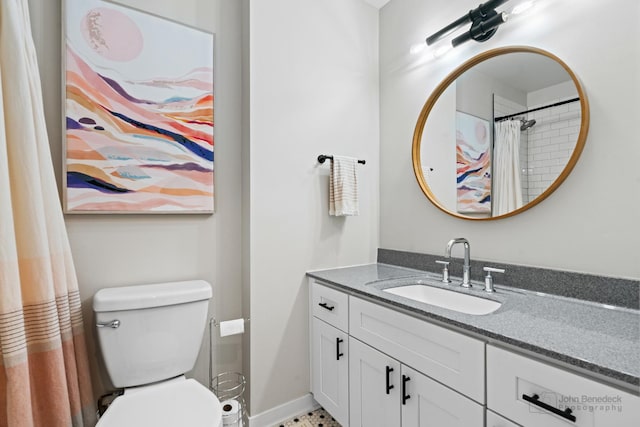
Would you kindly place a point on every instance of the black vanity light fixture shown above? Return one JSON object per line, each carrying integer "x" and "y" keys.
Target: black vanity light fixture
{"x": 484, "y": 20}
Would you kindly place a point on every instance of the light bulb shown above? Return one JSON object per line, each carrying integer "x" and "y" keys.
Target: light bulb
{"x": 442, "y": 50}
{"x": 417, "y": 48}
{"x": 522, "y": 7}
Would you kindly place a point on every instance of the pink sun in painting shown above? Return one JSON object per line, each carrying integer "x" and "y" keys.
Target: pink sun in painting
{"x": 112, "y": 34}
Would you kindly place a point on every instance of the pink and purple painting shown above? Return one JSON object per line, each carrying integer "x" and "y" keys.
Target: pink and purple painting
{"x": 473, "y": 169}
{"x": 139, "y": 112}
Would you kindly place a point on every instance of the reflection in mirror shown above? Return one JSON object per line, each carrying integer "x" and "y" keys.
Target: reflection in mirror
{"x": 500, "y": 133}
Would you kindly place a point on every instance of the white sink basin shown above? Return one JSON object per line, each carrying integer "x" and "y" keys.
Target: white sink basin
{"x": 444, "y": 298}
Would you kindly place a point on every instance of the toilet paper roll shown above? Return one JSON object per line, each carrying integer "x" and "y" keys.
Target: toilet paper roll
{"x": 231, "y": 327}
{"x": 230, "y": 412}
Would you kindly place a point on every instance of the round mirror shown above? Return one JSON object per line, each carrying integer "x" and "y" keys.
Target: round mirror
{"x": 500, "y": 133}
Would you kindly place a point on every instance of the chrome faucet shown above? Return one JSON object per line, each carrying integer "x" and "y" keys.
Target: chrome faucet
{"x": 466, "y": 282}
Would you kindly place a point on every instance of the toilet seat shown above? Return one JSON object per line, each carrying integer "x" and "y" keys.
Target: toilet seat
{"x": 176, "y": 402}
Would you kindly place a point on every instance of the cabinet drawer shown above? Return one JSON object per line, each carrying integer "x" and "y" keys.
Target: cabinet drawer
{"x": 446, "y": 356}
{"x": 495, "y": 420}
{"x": 511, "y": 377}
{"x": 330, "y": 305}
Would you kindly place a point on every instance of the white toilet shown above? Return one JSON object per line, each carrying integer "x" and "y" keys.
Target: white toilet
{"x": 149, "y": 336}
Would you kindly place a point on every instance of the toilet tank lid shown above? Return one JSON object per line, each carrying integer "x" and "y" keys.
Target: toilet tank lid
{"x": 152, "y": 295}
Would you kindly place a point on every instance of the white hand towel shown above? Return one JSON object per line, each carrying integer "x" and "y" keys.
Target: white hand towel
{"x": 343, "y": 187}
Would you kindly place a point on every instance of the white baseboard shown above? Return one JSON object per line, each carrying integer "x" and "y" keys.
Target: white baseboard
{"x": 283, "y": 412}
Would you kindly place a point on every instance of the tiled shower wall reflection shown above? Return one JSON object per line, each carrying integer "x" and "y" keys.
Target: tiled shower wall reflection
{"x": 546, "y": 147}
{"x": 551, "y": 143}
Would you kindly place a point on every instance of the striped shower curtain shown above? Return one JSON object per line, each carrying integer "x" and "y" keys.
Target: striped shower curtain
{"x": 44, "y": 373}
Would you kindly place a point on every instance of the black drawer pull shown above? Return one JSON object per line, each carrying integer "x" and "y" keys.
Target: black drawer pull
{"x": 338, "y": 354}
{"x": 405, "y": 396}
{"x": 389, "y": 386}
{"x": 566, "y": 414}
{"x": 325, "y": 305}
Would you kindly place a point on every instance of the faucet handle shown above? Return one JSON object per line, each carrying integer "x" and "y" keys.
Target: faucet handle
{"x": 488, "y": 280}
{"x": 445, "y": 271}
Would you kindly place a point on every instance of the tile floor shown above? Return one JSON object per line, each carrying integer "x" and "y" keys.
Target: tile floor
{"x": 317, "y": 418}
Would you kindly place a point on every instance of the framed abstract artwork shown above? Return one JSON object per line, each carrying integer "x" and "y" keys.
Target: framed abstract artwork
{"x": 139, "y": 128}
{"x": 473, "y": 164}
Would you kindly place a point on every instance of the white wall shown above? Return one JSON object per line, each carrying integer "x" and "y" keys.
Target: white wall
{"x": 314, "y": 90}
{"x": 438, "y": 148}
{"x": 476, "y": 90}
{"x": 117, "y": 250}
{"x": 595, "y": 212}
{"x": 551, "y": 94}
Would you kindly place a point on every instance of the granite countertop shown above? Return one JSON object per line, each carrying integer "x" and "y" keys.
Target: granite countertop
{"x": 601, "y": 339}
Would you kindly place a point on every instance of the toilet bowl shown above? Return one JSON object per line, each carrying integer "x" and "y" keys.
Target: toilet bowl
{"x": 172, "y": 403}
{"x": 149, "y": 337}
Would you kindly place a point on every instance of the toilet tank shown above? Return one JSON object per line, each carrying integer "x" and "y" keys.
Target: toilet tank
{"x": 158, "y": 332}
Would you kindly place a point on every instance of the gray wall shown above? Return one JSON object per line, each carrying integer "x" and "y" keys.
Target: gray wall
{"x": 117, "y": 250}
{"x": 595, "y": 212}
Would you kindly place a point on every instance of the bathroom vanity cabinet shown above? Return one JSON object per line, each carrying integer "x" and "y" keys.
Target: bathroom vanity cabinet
{"x": 383, "y": 367}
{"x": 374, "y": 365}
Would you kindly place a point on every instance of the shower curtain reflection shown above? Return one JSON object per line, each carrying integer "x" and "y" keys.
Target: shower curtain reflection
{"x": 507, "y": 189}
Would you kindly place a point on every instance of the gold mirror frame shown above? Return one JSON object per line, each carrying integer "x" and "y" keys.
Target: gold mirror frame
{"x": 424, "y": 114}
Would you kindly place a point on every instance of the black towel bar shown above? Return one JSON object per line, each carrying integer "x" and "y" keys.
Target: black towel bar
{"x": 323, "y": 157}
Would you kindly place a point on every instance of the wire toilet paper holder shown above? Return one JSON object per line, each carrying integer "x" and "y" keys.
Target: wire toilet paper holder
{"x": 227, "y": 386}
{"x": 215, "y": 323}
{"x": 233, "y": 327}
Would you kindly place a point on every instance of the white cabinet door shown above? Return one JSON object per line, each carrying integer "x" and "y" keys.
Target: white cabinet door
{"x": 495, "y": 420}
{"x": 426, "y": 403}
{"x": 374, "y": 387}
{"x": 330, "y": 347}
